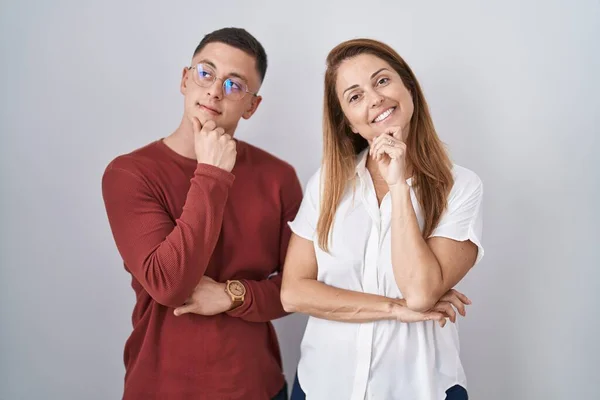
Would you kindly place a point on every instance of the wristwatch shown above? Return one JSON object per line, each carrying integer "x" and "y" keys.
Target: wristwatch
{"x": 236, "y": 290}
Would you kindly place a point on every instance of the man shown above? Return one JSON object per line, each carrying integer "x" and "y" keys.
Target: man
{"x": 200, "y": 220}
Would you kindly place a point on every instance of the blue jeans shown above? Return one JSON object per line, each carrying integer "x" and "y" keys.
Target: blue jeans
{"x": 282, "y": 395}
{"x": 456, "y": 392}
{"x": 297, "y": 392}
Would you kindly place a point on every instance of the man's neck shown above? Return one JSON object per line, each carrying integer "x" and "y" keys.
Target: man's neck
{"x": 182, "y": 140}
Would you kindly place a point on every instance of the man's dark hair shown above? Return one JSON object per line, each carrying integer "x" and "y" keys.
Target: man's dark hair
{"x": 242, "y": 40}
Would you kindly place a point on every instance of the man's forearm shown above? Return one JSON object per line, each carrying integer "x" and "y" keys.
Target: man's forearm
{"x": 168, "y": 260}
{"x": 262, "y": 302}
{"x": 263, "y": 298}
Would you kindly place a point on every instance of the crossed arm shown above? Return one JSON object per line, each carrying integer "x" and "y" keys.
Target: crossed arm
{"x": 424, "y": 269}
{"x": 302, "y": 292}
{"x": 262, "y": 300}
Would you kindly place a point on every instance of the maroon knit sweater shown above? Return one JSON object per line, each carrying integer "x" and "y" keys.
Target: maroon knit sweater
{"x": 173, "y": 221}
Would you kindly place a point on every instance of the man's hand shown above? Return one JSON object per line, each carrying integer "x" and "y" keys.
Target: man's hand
{"x": 213, "y": 146}
{"x": 209, "y": 298}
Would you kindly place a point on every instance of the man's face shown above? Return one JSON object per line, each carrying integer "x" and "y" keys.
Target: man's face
{"x": 233, "y": 71}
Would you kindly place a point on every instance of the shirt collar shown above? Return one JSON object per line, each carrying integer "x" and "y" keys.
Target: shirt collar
{"x": 361, "y": 162}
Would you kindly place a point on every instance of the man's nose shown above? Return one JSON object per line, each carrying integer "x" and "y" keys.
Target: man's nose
{"x": 216, "y": 89}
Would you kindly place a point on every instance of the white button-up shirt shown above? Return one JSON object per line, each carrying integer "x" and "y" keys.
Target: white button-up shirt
{"x": 382, "y": 360}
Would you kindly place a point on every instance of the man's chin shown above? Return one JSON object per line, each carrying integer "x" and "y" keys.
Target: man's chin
{"x": 203, "y": 118}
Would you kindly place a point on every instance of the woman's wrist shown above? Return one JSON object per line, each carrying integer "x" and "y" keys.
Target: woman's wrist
{"x": 401, "y": 201}
{"x": 399, "y": 189}
{"x": 397, "y": 308}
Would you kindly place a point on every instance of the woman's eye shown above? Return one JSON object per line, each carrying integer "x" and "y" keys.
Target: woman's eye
{"x": 383, "y": 81}
{"x": 353, "y": 98}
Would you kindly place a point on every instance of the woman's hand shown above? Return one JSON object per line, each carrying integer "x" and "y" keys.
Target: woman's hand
{"x": 450, "y": 299}
{"x": 389, "y": 151}
{"x": 443, "y": 309}
{"x": 405, "y": 314}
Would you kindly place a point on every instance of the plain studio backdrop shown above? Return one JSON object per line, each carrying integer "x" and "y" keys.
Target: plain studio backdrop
{"x": 513, "y": 89}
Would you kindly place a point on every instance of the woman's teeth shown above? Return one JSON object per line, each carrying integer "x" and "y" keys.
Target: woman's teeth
{"x": 384, "y": 114}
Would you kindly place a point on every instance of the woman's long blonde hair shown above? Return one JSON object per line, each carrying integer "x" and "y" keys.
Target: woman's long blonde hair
{"x": 432, "y": 175}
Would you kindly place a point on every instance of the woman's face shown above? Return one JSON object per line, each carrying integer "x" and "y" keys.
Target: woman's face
{"x": 373, "y": 97}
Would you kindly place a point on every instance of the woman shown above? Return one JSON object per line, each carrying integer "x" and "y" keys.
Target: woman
{"x": 386, "y": 229}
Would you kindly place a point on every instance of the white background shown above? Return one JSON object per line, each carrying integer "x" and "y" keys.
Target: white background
{"x": 513, "y": 88}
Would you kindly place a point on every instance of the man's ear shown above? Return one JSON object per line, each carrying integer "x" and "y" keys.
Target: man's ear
{"x": 183, "y": 85}
{"x": 253, "y": 106}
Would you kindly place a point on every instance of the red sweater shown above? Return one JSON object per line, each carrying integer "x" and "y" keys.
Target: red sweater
{"x": 173, "y": 221}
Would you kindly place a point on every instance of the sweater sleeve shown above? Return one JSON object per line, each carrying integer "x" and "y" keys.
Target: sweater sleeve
{"x": 262, "y": 301}
{"x": 167, "y": 257}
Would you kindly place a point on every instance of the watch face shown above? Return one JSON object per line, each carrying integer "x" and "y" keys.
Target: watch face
{"x": 237, "y": 289}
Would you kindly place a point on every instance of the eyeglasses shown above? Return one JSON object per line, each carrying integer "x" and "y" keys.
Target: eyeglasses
{"x": 234, "y": 88}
